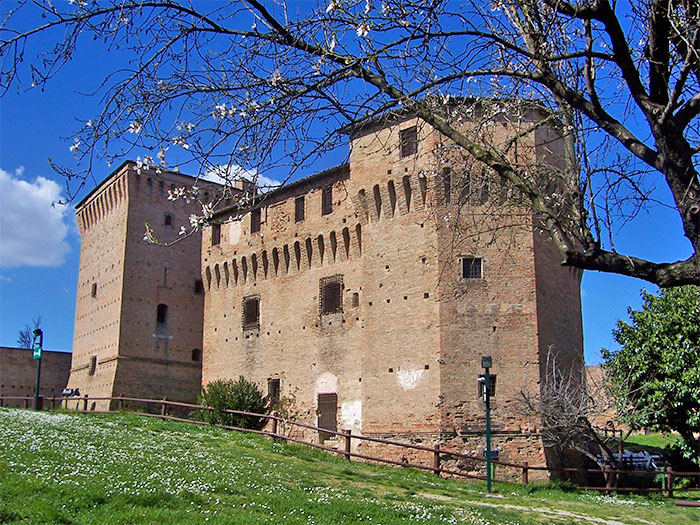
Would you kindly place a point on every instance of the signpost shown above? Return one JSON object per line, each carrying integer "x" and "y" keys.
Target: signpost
{"x": 486, "y": 365}
{"x": 38, "y": 346}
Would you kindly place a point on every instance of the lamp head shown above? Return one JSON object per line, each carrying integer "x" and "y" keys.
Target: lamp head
{"x": 486, "y": 361}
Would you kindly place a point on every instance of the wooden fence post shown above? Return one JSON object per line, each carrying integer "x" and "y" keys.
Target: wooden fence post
{"x": 524, "y": 476}
{"x": 121, "y": 404}
{"x": 26, "y": 403}
{"x": 0, "y": 401}
{"x": 436, "y": 459}
{"x": 608, "y": 479}
{"x": 85, "y": 403}
{"x": 163, "y": 409}
{"x": 274, "y": 424}
{"x": 348, "y": 437}
{"x": 669, "y": 480}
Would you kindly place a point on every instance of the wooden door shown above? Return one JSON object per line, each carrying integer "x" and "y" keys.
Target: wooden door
{"x": 327, "y": 414}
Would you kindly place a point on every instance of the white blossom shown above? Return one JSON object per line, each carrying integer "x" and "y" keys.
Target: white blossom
{"x": 74, "y": 147}
{"x": 135, "y": 127}
{"x": 179, "y": 141}
{"x": 362, "y": 30}
{"x": 196, "y": 221}
{"x": 182, "y": 231}
{"x": 185, "y": 126}
{"x": 332, "y": 6}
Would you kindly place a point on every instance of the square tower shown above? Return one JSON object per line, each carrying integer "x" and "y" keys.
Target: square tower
{"x": 139, "y": 307}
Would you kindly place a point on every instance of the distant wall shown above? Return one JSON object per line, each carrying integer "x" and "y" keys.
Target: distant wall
{"x": 18, "y": 373}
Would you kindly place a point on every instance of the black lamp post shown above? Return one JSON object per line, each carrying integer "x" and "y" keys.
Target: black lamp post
{"x": 38, "y": 346}
{"x": 486, "y": 365}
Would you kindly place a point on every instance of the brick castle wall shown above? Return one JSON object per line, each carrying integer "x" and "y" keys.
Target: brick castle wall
{"x": 404, "y": 355}
{"x": 18, "y": 373}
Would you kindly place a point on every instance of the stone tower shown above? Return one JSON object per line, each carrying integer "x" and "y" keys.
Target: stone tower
{"x": 139, "y": 306}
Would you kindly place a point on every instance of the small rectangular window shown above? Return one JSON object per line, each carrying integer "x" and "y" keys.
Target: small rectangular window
{"x": 215, "y": 234}
{"x": 327, "y": 201}
{"x": 331, "y": 294}
{"x": 472, "y": 268}
{"x": 408, "y": 139}
{"x": 273, "y": 389}
{"x": 299, "y": 208}
{"x": 93, "y": 290}
{"x": 255, "y": 221}
{"x": 251, "y": 312}
{"x": 168, "y": 219}
{"x": 93, "y": 365}
{"x": 492, "y": 385}
{"x": 198, "y": 287}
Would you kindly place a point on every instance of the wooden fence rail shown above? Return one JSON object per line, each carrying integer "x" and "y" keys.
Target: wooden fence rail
{"x": 437, "y": 453}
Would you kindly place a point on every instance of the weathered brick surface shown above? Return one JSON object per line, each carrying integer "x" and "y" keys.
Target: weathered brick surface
{"x": 405, "y": 360}
{"x": 135, "y": 355}
{"x": 18, "y": 373}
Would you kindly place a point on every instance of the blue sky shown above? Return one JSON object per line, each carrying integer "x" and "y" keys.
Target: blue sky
{"x": 40, "y": 244}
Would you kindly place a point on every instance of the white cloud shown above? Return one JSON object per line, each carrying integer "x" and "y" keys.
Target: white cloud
{"x": 228, "y": 174}
{"x": 266, "y": 183}
{"x": 32, "y": 230}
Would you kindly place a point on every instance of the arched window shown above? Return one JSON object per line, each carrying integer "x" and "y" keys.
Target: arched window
{"x": 162, "y": 316}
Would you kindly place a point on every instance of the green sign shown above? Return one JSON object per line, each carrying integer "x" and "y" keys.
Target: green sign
{"x": 37, "y": 351}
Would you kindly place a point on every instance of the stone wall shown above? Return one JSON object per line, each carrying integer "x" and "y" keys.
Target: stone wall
{"x": 18, "y": 373}
{"x": 121, "y": 347}
{"x": 404, "y": 353}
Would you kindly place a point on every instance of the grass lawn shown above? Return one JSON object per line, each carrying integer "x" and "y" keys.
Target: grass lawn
{"x": 66, "y": 468}
{"x": 653, "y": 442}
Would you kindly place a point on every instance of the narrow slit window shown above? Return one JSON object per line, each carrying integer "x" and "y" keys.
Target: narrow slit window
{"x": 255, "y": 221}
{"x": 447, "y": 185}
{"x": 162, "y": 316}
{"x": 93, "y": 365}
{"x": 299, "y": 209}
{"x": 93, "y": 290}
{"x": 327, "y": 201}
{"x": 215, "y": 234}
{"x": 273, "y": 389}
{"x": 168, "y": 219}
{"x": 409, "y": 141}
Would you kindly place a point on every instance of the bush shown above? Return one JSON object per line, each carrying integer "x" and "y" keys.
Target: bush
{"x": 240, "y": 395}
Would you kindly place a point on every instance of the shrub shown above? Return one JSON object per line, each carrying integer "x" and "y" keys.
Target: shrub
{"x": 240, "y": 395}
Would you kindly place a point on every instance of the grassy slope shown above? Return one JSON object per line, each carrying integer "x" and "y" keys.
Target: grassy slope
{"x": 60, "y": 468}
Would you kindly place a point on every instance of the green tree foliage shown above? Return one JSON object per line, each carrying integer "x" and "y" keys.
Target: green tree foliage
{"x": 655, "y": 376}
{"x": 242, "y": 395}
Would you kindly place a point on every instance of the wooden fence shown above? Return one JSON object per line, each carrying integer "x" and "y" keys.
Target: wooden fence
{"x": 611, "y": 476}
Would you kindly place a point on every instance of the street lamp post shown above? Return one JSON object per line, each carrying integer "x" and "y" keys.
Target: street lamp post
{"x": 38, "y": 346}
{"x": 486, "y": 365}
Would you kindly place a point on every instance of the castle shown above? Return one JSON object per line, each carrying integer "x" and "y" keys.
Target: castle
{"x": 368, "y": 292}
